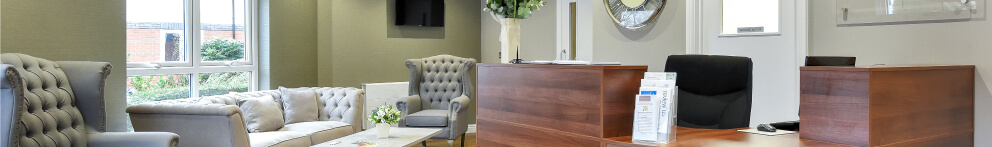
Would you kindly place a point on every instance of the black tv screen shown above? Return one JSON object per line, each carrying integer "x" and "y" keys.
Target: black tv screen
{"x": 428, "y": 13}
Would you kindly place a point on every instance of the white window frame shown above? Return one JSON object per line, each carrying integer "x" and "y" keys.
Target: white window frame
{"x": 194, "y": 66}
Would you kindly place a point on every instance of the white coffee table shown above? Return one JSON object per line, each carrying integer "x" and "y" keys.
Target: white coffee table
{"x": 398, "y": 137}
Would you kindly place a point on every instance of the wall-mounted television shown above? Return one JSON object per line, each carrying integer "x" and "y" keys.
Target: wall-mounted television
{"x": 427, "y": 13}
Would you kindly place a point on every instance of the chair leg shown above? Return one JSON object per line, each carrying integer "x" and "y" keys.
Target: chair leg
{"x": 424, "y": 143}
{"x": 463, "y": 140}
{"x": 451, "y": 143}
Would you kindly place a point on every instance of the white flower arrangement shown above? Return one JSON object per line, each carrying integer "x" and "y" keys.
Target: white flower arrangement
{"x": 385, "y": 114}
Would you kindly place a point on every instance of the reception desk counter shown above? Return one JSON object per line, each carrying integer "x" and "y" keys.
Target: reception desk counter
{"x": 555, "y": 105}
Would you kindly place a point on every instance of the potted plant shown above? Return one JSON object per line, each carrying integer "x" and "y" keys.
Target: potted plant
{"x": 509, "y": 13}
{"x": 383, "y": 117}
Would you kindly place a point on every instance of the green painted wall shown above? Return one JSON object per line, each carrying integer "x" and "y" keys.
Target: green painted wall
{"x": 292, "y": 53}
{"x": 365, "y": 46}
{"x": 71, "y": 31}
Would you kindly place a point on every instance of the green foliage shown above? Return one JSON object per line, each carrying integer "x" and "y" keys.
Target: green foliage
{"x": 175, "y": 86}
{"x": 513, "y": 8}
{"x": 223, "y": 50}
{"x": 385, "y": 114}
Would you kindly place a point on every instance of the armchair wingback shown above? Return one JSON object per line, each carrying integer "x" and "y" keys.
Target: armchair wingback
{"x": 47, "y": 103}
{"x": 439, "y": 94}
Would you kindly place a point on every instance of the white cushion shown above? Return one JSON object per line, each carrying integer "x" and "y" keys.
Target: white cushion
{"x": 262, "y": 114}
{"x": 279, "y": 139}
{"x": 321, "y": 131}
{"x": 299, "y": 105}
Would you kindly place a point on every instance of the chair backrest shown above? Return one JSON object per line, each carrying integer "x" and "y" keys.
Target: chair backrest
{"x": 439, "y": 79}
{"x": 48, "y": 114}
{"x": 714, "y": 91}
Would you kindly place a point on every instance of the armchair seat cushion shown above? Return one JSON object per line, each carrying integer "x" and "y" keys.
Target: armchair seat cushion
{"x": 428, "y": 118}
{"x": 279, "y": 139}
{"x": 321, "y": 131}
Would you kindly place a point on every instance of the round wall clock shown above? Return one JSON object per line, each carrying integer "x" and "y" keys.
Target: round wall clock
{"x": 634, "y": 14}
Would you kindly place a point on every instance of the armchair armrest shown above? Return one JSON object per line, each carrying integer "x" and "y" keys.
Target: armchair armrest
{"x": 459, "y": 104}
{"x": 145, "y": 139}
{"x": 88, "y": 80}
{"x": 407, "y": 106}
{"x": 199, "y": 124}
{"x": 10, "y": 103}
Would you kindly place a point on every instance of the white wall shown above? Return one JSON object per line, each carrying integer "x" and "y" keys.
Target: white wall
{"x": 962, "y": 42}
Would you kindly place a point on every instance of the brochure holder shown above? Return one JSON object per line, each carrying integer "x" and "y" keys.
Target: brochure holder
{"x": 655, "y": 109}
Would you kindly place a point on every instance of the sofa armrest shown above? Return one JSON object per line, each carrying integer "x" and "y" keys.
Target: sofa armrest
{"x": 459, "y": 104}
{"x": 145, "y": 139}
{"x": 198, "y": 124}
{"x": 87, "y": 80}
{"x": 408, "y": 105}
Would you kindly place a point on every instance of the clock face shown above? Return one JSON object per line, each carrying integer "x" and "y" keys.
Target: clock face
{"x": 634, "y": 14}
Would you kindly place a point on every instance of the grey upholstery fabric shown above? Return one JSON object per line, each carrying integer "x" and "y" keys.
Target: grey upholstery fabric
{"x": 45, "y": 109}
{"x": 428, "y": 118}
{"x": 438, "y": 83}
{"x": 299, "y": 105}
{"x": 262, "y": 114}
{"x": 142, "y": 139}
{"x": 216, "y": 121}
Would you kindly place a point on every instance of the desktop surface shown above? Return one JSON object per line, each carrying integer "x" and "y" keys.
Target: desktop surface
{"x": 721, "y": 138}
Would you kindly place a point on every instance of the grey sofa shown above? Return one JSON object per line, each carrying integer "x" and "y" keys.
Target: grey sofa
{"x": 48, "y": 104}
{"x": 217, "y": 121}
{"x": 439, "y": 95}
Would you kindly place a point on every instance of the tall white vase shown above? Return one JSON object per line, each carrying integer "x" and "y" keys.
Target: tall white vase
{"x": 509, "y": 38}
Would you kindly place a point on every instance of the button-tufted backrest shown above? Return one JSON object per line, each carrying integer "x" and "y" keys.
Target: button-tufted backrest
{"x": 439, "y": 79}
{"x": 48, "y": 113}
{"x": 334, "y": 103}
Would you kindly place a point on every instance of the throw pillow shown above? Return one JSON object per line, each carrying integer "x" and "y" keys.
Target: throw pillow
{"x": 262, "y": 114}
{"x": 299, "y": 105}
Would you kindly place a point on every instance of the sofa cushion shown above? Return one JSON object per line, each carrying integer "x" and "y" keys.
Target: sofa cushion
{"x": 299, "y": 105}
{"x": 279, "y": 139}
{"x": 321, "y": 131}
{"x": 428, "y": 118}
{"x": 262, "y": 114}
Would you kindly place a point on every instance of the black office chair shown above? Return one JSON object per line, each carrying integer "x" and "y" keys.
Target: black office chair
{"x": 714, "y": 91}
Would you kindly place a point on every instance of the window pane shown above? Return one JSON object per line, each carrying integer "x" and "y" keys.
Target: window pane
{"x": 155, "y": 31}
{"x": 750, "y": 16}
{"x": 155, "y": 88}
{"x": 222, "y": 23}
{"x": 224, "y": 83}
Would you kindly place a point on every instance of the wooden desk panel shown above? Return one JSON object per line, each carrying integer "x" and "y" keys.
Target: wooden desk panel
{"x": 519, "y": 104}
{"x": 905, "y": 105}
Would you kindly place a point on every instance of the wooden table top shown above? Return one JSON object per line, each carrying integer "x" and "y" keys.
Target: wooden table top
{"x": 564, "y": 66}
{"x": 723, "y": 138}
{"x": 885, "y": 67}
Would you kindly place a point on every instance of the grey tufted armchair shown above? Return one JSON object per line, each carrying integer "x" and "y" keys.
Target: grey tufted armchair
{"x": 59, "y": 104}
{"x": 439, "y": 95}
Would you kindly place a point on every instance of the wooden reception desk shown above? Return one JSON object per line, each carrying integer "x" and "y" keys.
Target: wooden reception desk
{"x": 555, "y": 105}
{"x": 888, "y": 105}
